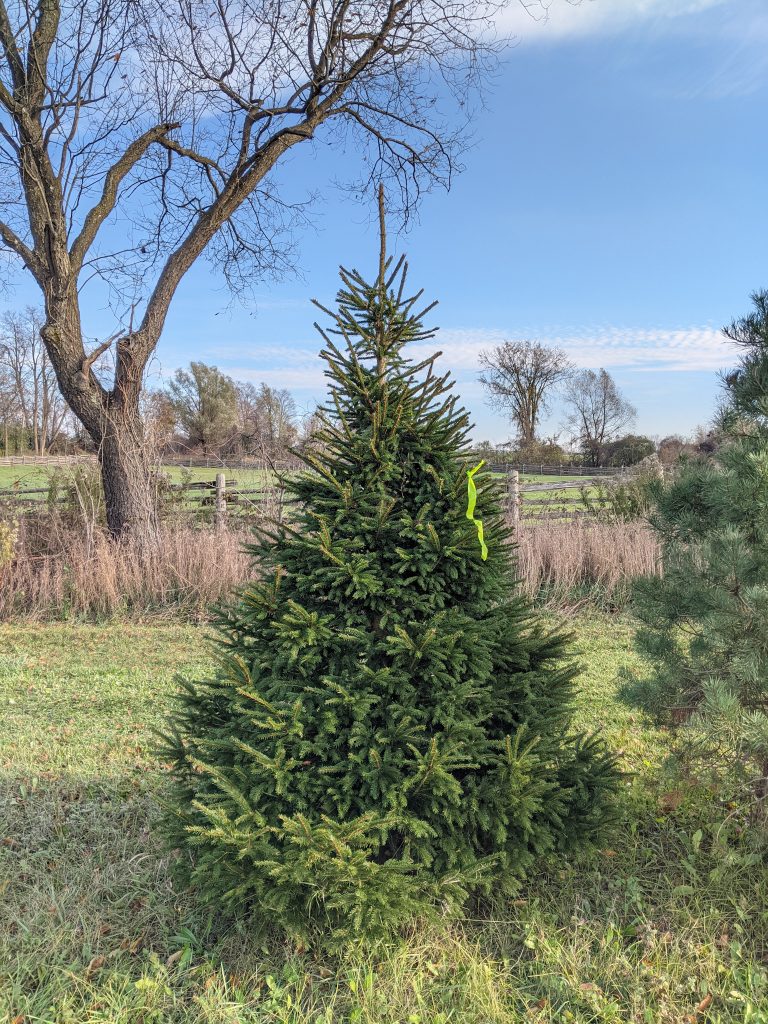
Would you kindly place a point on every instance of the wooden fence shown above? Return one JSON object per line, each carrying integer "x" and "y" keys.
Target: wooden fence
{"x": 557, "y": 469}
{"x": 204, "y": 499}
{"x": 46, "y": 461}
{"x": 224, "y": 496}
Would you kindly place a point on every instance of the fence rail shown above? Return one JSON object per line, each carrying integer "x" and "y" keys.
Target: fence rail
{"x": 217, "y": 499}
{"x": 255, "y": 462}
{"x": 44, "y": 461}
{"x": 556, "y": 469}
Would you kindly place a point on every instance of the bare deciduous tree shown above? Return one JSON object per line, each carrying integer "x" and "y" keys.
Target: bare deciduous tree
{"x": 136, "y": 135}
{"x": 519, "y": 377}
{"x": 598, "y": 412}
{"x": 267, "y": 419}
{"x": 23, "y": 356}
{"x": 10, "y": 412}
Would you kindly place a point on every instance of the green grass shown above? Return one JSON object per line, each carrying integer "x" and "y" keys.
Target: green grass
{"x": 243, "y": 477}
{"x": 38, "y": 476}
{"x": 23, "y": 476}
{"x": 562, "y": 500}
{"x": 547, "y": 478}
{"x": 34, "y": 476}
{"x": 91, "y": 929}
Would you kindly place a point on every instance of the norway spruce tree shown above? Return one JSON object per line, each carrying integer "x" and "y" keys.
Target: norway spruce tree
{"x": 390, "y": 725}
{"x": 706, "y": 619}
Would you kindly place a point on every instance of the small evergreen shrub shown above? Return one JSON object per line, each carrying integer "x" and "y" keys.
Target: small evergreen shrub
{"x": 390, "y": 726}
{"x": 706, "y": 620}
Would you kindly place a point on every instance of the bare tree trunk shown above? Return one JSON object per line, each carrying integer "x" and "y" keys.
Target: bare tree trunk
{"x": 112, "y": 419}
{"x": 130, "y": 493}
{"x": 36, "y": 410}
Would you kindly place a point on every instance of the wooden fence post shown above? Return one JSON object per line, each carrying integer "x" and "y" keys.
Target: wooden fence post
{"x": 221, "y": 501}
{"x": 513, "y": 485}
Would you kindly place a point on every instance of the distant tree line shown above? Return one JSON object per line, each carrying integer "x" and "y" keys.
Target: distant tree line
{"x": 202, "y": 409}
{"x": 522, "y": 378}
{"x": 34, "y": 417}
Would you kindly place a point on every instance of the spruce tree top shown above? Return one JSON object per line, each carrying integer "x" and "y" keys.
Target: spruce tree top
{"x": 385, "y": 490}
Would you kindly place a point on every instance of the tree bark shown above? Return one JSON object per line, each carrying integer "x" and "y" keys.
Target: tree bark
{"x": 112, "y": 419}
{"x": 130, "y": 493}
{"x": 71, "y": 172}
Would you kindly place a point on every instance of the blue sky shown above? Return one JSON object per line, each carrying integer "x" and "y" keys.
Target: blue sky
{"x": 613, "y": 204}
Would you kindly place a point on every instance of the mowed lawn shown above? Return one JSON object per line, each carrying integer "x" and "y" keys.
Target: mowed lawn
{"x": 13, "y": 477}
{"x": 653, "y": 929}
{"x": 39, "y": 476}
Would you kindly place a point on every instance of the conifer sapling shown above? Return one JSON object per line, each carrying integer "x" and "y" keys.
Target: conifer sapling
{"x": 389, "y": 728}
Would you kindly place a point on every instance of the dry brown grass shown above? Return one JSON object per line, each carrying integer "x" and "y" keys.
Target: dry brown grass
{"x": 585, "y": 562}
{"x": 60, "y": 570}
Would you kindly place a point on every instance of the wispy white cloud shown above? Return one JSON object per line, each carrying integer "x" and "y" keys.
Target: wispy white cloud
{"x": 299, "y": 368}
{"x": 676, "y": 349}
{"x": 550, "y": 20}
{"x": 304, "y": 375}
{"x": 294, "y": 354}
{"x": 736, "y": 30}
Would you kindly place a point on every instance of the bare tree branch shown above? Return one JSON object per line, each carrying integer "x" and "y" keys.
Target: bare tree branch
{"x": 10, "y": 49}
{"x": 112, "y": 180}
{"x": 16, "y": 245}
{"x": 138, "y": 135}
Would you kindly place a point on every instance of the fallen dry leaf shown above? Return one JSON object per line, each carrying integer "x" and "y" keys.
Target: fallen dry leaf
{"x": 132, "y": 945}
{"x": 669, "y": 802}
{"x": 93, "y": 966}
{"x": 705, "y": 1003}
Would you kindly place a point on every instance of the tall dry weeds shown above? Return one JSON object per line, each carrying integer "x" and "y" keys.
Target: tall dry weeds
{"x": 60, "y": 570}
{"x": 582, "y": 562}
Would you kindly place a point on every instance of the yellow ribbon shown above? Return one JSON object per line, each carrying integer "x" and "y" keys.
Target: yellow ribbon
{"x": 471, "y": 502}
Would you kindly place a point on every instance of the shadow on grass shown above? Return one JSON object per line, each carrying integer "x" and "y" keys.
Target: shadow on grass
{"x": 92, "y": 929}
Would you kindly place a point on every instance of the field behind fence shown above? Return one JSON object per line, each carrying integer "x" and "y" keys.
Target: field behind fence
{"x": 254, "y": 489}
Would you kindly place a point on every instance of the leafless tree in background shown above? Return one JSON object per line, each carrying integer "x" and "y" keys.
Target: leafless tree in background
{"x": 267, "y": 420}
{"x": 520, "y": 377}
{"x": 23, "y": 357}
{"x": 10, "y": 413}
{"x": 136, "y": 135}
{"x": 598, "y": 412}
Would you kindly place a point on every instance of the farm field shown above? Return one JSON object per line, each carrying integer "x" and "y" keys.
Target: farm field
{"x": 560, "y": 501}
{"x": 650, "y": 930}
{"x": 37, "y": 476}
{"x": 13, "y": 478}
{"x": 23, "y": 476}
{"x": 550, "y": 502}
{"x": 33, "y": 476}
